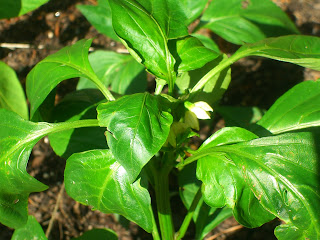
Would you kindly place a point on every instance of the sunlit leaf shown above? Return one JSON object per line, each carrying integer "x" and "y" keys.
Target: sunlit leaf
{"x": 250, "y": 21}
{"x": 14, "y": 8}
{"x": 137, "y": 128}
{"x": 95, "y": 178}
{"x": 11, "y": 93}
{"x": 32, "y": 230}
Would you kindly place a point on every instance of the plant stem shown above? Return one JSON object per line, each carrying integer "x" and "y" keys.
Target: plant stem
{"x": 163, "y": 203}
{"x": 102, "y": 87}
{"x": 184, "y": 227}
{"x": 155, "y": 232}
{"x": 159, "y": 88}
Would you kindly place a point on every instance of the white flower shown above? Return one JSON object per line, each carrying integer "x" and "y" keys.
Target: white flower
{"x": 200, "y": 109}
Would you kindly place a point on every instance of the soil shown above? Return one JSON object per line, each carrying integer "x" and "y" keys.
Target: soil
{"x": 256, "y": 82}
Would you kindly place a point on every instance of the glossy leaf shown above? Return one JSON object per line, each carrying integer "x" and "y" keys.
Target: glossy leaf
{"x": 99, "y": 234}
{"x": 17, "y": 137}
{"x": 122, "y": 72}
{"x": 191, "y": 54}
{"x": 75, "y": 106}
{"x": 272, "y": 175}
{"x": 205, "y": 217}
{"x": 31, "y": 230}
{"x": 193, "y": 8}
{"x": 207, "y": 42}
{"x": 137, "y": 128}
{"x": 100, "y": 17}
{"x": 297, "y": 109}
{"x": 145, "y": 27}
{"x": 69, "y": 62}
{"x": 11, "y": 93}
{"x": 15, "y": 8}
{"x": 297, "y": 49}
{"x": 95, "y": 178}
{"x": 240, "y": 22}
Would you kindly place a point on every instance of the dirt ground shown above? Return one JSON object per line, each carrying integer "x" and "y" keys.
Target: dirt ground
{"x": 255, "y": 82}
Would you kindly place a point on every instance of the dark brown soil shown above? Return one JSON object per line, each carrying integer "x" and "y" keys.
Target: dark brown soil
{"x": 256, "y": 82}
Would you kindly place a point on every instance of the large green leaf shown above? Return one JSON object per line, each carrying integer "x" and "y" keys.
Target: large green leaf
{"x": 205, "y": 217}
{"x": 100, "y": 17}
{"x": 69, "y": 62}
{"x": 75, "y": 106}
{"x": 14, "y": 8}
{"x": 191, "y": 54}
{"x": 95, "y": 178}
{"x": 193, "y": 8}
{"x": 145, "y": 27}
{"x": 122, "y": 72}
{"x": 241, "y": 21}
{"x": 17, "y": 138}
{"x": 31, "y": 230}
{"x": 98, "y": 234}
{"x": 11, "y": 93}
{"x": 297, "y": 109}
{"x": 272, "y": 175}
{"x": 137, "y": 127}
{"x": 297, "y": 49}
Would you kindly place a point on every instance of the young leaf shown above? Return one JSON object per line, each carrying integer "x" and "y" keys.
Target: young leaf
{"x": 11, "y": 93}
{"x": 17, "y": 138}
{"x": 241, "y": 22}
{"x": 100, "y": 17}
{"x": 14, "y": 8}
{"x": 145, "y": 27}
{"x": 137, "y": 128}
{"x": 98, "y": 234}
{"x": 190, "y": 53}
{"x": 69, "y": 62}
{"x": 75, "y": 106}
{"x": 272, "y": 175}
{"x": 95, "y": 178}
{"x": 297, "y": 109}
{"x": 123, "y": 72}
{"x": 193, "y": 8}
{"x": 297, "y": 49}
{"x": 31, "y": 230}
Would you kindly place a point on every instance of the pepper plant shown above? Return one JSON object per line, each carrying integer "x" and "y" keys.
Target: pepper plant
{"x": 121, "y": 142}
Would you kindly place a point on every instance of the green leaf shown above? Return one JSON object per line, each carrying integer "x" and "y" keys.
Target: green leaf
{"x": 14, "y": 8}
{"x": 145, "y": 27}
{"x": 100, "y": 17}
{"x": 193, "y": 8}
{"x": 205, "y": 217}
{"x": 239, "y": 21}
{"x": 95, "y": 178}
{"x": 17, "y": 138}
{"x": 11, "y": 93}
{"x": 297, "y": 49}
{"x": 123, "y": 72}
{"x": 228, "y": 135}
{"x": 190, "y": 53}
{"x": 75, "y": 106}
{"x": 272, "y": 175}
{"x": 69, "y": 62}
{"x": 31, "y": 230}
{"x": 213, "y": 89}
{"x": 207, "y": 42}
{"x": 297, "y": 109}
{"x": 98, "y": 234}
{"x": 137, "y": 128}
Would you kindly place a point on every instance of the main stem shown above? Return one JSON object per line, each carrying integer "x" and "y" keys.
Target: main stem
{"x": 163, "y": 204}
